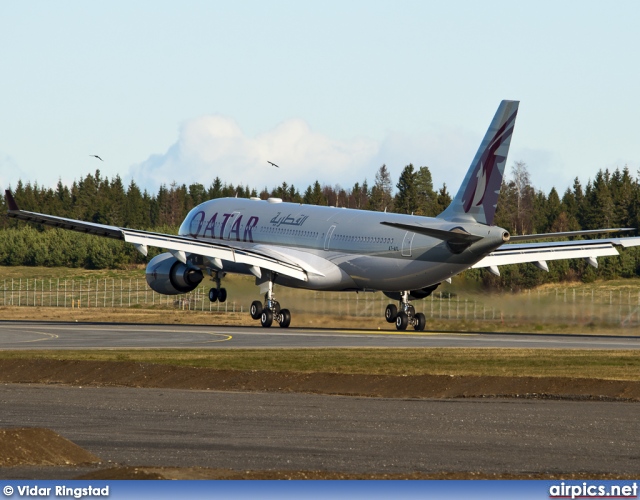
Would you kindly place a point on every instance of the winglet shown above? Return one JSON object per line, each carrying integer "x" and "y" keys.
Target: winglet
{"x": 11, "y": 202}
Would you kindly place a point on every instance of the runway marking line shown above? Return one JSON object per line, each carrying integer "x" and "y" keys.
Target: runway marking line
{"x": 53, "y": 336}
{"x": 50, "y": 336}
{"x": 228, "y": 337}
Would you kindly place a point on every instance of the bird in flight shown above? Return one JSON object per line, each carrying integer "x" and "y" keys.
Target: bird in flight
{"x": 271, "y": 163}
{"x": 96, "y": 156}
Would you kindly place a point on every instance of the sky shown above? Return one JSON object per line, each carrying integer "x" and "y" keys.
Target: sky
{"x": 328, "y": 90}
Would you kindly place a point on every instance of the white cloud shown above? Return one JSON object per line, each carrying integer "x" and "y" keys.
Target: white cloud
{"x": 10, "y": 172}
{"x": 215, "y": 145}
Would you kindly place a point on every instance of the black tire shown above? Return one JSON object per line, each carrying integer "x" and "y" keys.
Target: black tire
{"x": 222, "y": 295}
{"x": 402, "y": 320}
{"x": 421, "y": 322}
{"x": 391, "y": 313}
{"x": 213, "y": 294}
{"x": 256, "y": 309}
{"x": 285, "y": 318}
{"x": 266, "y": 318}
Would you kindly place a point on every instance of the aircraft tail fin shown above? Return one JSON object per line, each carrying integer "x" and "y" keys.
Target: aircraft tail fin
{"x": 477, "y": 197}
{"x": 11, "y": 202}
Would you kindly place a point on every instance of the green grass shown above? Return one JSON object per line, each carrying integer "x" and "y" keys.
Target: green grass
{"x": 237, "y": 283}
{"x": 68, "y": 273}
{"x": 615, "y": 365}
{"x": 606, "y": 307}
{"x": 460, "y": 285}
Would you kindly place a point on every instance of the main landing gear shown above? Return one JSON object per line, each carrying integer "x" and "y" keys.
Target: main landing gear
{"x": 406, "y": 316}
{"x": 217, "y": 293}
{"x": 270, "y": 311}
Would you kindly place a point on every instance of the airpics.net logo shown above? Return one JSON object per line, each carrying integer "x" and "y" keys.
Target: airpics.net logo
{"x": 586, "y": 490}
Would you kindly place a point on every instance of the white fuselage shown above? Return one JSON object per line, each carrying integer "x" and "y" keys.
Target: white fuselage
{"x": 350, "y": 249}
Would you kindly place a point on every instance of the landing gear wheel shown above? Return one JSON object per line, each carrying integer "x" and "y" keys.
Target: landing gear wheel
{"x": 391, "y": 313}
{"x": 256, "y": 309}
{"x": 213, "y": 294}
{"x": 222, "y": 295}
{"x": 285, "y": 318}
{"x": 402, "y": 320}
{"x": 266, "y": 318}
{"x": 420, "y": 323}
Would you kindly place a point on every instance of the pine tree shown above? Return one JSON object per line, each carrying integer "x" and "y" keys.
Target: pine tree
{"x": 215, "y": 190}
{"x": 443, "y": 200}
{"x": 381, "y": 199}
{"x": 314, "y": 195}
{"x": 136, "y": 212}
{"x": 406, "y": 200}
{"x": 599, "y": 205}
{"x": 426, "y": 197}
{"x": 556, "y": 218}
{"x": 197, "y": 194}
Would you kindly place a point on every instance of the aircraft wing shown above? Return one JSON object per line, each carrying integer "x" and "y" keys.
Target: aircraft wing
{"x": 177, "y": 245}
{"x": 540, "y": 253}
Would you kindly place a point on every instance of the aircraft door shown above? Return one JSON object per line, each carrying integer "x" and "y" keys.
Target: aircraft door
{"x": 327, "y": 239}
{"x": 406, "y": 243}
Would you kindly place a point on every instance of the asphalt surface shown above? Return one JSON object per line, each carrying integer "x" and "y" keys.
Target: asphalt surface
{"x": 47, "y": 335}
{"x": 261, "y": 431}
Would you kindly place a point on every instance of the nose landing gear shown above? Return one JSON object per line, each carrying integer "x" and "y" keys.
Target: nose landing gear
{"x": 406, "y": 316}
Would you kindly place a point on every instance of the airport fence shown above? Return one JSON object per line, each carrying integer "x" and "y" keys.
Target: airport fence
{"x": 560, "y": 305}
{"x": 103, "y": 293}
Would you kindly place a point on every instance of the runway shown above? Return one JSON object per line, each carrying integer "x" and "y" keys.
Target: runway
{"x": 47, "y": 335}
{"x": 277, "y": 431}
{"x": 281, "y": 431}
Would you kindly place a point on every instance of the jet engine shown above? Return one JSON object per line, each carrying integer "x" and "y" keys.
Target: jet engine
{"x": 167, "y": 275}
{"x": 414, "y": 294}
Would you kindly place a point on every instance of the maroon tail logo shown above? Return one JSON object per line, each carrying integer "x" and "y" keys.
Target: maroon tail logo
{"x": 486, "y": 179}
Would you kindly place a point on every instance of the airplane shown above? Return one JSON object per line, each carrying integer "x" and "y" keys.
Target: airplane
{"x": 338, "y": 249}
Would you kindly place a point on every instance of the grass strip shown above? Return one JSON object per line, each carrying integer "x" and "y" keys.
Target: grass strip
{"x": 589, "y": 364}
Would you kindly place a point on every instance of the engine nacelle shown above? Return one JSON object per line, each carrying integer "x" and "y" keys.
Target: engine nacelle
{"x": 169, "y": 276}
{"x": 413, "y": 294}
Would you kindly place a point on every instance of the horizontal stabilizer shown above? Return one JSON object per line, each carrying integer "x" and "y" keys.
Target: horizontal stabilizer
{"x": 456, "y": 235}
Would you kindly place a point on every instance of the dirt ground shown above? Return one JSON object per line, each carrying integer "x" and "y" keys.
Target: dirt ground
{"x": 33, "y": 446}
{"x": 38, "y": 448}
{"x": 132, "y": 374}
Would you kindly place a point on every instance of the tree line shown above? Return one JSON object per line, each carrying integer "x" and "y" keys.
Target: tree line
{"x": 96, "y": 198}
{"x": 611, "y": 199}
